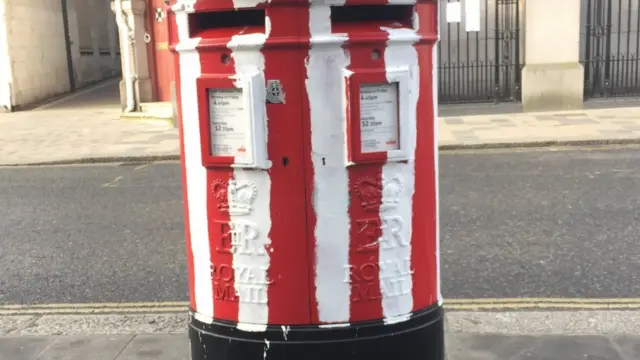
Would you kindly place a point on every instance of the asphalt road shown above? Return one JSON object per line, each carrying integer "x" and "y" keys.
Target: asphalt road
{"x": 537, "y": 223}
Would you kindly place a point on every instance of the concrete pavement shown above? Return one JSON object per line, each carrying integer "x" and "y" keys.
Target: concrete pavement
{"x": 589, "y": 126}
{"x": 86, "y": 128}
{"x": 83, "y": 127}
{"x": 534, "y": 335}
{"x": 458, "y": 347}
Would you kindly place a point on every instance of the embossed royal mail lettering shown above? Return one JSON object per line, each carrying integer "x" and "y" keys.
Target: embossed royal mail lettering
{"x": 252, "y": 294}
{"x": 385, "y": 231}
{"x": 224, "y": 292}
{"x": 393, "y": 278}
{"x": 240, "y": 274}
{"x": 250, "y": 283}
{"x": 249, "y": 294}
{"x": 243, "y": 294}
{"x": 239, "y": 237}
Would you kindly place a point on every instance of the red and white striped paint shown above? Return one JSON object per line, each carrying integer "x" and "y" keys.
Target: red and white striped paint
{"x": 195, "y": 174}
{"x": 308, "y": 251}
{"x": 340, "y": 221}
{"x": 325, "y": 91}
{"x": 400, "y": 52}
{"x": 251, "y": 259}
{"x": 436, "y": 157}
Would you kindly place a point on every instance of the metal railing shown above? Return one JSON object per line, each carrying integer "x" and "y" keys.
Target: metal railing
{"x": 610, "y": 47}
{"x": 485, "y": 65}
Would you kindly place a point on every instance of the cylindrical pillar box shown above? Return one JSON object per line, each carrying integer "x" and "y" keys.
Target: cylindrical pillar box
{"x": 309, "y": 159}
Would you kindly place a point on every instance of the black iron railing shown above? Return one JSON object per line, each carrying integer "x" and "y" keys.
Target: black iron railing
{"x": 485, "y": 65}
{"x": 611, "y": 44}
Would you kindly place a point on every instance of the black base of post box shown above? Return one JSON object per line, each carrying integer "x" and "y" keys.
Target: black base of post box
{"x": 421, "y": 337}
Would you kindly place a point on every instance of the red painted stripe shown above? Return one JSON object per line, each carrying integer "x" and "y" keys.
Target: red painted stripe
{"x": 224, "y": 294}
{"x": 288, "y": 294}
{"x": 364, "y": 185}
{"x": 365, "y": 189}
{"x": 423, "y": 240}
{"x": 305, "y": 34}
{"x": 189, "y": 249}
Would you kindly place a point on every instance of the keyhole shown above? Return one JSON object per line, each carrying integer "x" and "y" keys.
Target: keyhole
{"x": 324, "y": 162}
{"x": 285, "y": 161}
{"x": 225, "y": 59}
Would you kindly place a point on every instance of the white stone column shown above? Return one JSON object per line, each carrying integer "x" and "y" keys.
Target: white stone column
{"x": 135, "y": 12}
{"x": 552, "y": 78}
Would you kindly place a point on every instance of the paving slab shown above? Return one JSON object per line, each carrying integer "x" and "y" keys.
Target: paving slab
{"x": 152, "y": 347}
{"x": 459, "y": 346}
{"x": 627, "y": 346}
{"x": 571, "y": 348}
{"x": 487, "y": 347}
{"x": 83, "y": 127}
{"x": 555, "y": 322}
{"x": 78, "y": 347}
{"x": 23, "y": 348}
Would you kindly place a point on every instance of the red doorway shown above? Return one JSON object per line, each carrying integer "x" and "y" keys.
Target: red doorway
{"x": 160, "y": 59}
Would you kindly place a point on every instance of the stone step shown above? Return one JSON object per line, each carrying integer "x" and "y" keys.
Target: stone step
{"x": 160, "y": 106}
{"x": 153, "y": 112}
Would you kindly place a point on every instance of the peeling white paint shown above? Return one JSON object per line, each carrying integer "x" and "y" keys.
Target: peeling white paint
{"x": 415, "y": 21}
{"x": 196, "y": 174}
{"x": 334, "y": 326}
{"x": 400, "y": 52}
{"x": 330, "y": 197}
{"x": 249, "y": 76}
{"x": 248, "y": 3}
{"x": 266, "y": 347}
{"x": 246, "y": 327}
{"x": 285, "y": 331}
{"x": 401, "y": 2}
{"x": 397, "y": 319}
{"x": 203, "y": 318}
{"x": 253, "y": 305}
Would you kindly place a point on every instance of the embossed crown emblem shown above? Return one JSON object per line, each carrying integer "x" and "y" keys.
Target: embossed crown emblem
{"x": 380, "y": 194}
{"x": 235, "y": 196}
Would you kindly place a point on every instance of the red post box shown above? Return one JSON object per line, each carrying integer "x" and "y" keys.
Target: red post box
{"x": 309, "y": 158}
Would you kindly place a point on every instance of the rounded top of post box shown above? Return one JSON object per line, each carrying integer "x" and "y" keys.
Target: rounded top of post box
{"x": 226, "y": 5}
{"x": 211, "y": 23}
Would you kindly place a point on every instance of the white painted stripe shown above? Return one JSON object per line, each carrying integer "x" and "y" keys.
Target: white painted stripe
{"x": 434, "y": 59}
{"x": 251, "y": 230}
{"x": 196, "y": 174}
{"x": 247, "y": 3}
{"x": 325, "y": 88}
{"x": 251, "y": 260}
{"x": 396, "y": 281}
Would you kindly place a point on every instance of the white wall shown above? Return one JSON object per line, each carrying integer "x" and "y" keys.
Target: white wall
{"x": 33, "y": 55}
{"x": 6, "y": 76}
{"x": 35, "y": 37}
